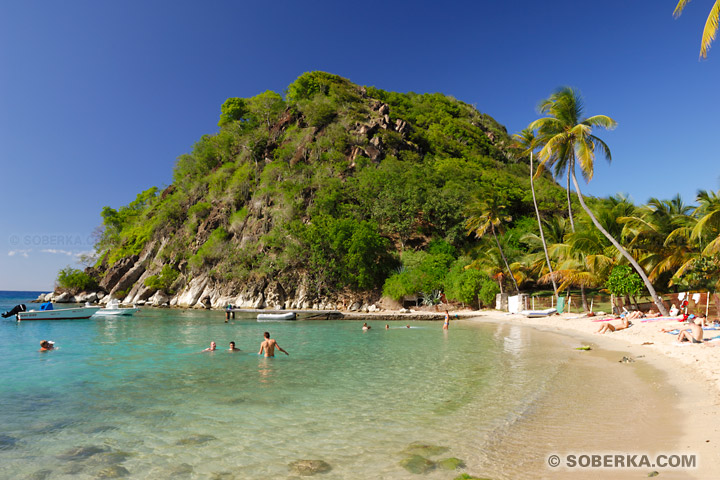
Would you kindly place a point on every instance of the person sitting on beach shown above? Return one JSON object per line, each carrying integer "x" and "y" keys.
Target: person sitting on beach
{"x": 46, "y": 345}
{"x": 447, "y": 320}
{"x": 365, "y": 327}
{"x": 609, "y": 327}
{"x": 694, "y": 335}
{"x": 232, "y": 347}
{"x": 268, "y": 346}
{"x": 212, "y": 347}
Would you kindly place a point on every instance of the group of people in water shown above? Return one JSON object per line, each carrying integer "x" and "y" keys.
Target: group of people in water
{"x": 267, "y": 346}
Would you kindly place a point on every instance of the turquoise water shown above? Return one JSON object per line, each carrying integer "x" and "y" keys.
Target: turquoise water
{"x": 140, "y": 398}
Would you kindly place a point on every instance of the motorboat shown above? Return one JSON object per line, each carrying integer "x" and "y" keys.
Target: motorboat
{"x": 47, "y": 312}
{"x": 275, "y": 317}
{"x": 113, "y": 308}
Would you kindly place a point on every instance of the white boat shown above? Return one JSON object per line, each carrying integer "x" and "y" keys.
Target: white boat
{"x": 113, "y": 308}
{"x": 50, "y": 313}
{"x": 274, "y": 317}
{"x": 539, "y": 313}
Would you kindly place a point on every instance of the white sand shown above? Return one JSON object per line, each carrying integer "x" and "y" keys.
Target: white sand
{"x": 694, "y": 370}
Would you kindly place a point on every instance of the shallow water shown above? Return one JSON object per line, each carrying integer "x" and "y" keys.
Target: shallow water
{"x": 136, "y": 395}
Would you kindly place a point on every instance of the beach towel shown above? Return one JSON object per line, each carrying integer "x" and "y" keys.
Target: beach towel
{"x": 661, "y": 319}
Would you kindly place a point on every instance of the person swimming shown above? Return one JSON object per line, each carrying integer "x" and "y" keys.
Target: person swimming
{"x": 232, "y": 347}
{"x": 46, "y": 345}
{"x": 212, "y": 347}
{"x": 365, "y": 327}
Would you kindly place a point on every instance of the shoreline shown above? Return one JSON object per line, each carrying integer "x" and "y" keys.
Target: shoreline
{"x": 692, "y": 370}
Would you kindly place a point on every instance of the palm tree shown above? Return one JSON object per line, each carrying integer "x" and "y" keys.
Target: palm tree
{"x": 487, "y": 215}
{"x": 711, "y": 24}
{"x": 567, "y": 136}
{"x": 525, "y": 141}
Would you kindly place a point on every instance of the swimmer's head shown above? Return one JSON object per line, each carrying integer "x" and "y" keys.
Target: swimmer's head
{"x": 232, "y": 344}
{"x": 267, "y": 334}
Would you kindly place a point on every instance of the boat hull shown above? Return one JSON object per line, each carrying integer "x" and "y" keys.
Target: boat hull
{"x": 59, "y": 314}
{"x": 275, "y": 317}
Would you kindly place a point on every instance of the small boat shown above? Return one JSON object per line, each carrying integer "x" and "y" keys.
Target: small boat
{"x": 539, "y": 313}
{"x": 47, "y": 312}
{"x": 113, "y": 308}
{"x": 275, "y": 317}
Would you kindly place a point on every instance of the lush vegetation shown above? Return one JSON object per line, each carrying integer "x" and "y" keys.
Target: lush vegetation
{"x": 356, "y": 189}
{"x": 75, "y": 281}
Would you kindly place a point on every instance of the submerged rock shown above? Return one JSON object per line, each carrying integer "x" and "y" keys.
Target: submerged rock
{"x": 417, "y": 464}
{"x": 182, "y": 470}
{"x": 465, "y": 476}
{"x": 7, "y": 442}
{"x": 222, "y": 476}
{"x": 81, "y": 453}
{"x": 309, "y": 467}
{"x": 115, "y": 471}
{"x": 108, "y": 458}
{"x": 425, "y": 450}
{"x": 451, "y": 463}
{"x": 40, "y": 475}
{"x": 196, "y": 440}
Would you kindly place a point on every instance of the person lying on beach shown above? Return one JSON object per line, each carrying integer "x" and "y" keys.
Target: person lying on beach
{"x": 212, "y": 347}
{"x": 232, "y": 347}
{"x": 268, "y": 346}
{"x": 694, "y": 335}
{"x": 609, "y": 327}
{"x": 46, "y": 345}
{"x": 634, "y": 315}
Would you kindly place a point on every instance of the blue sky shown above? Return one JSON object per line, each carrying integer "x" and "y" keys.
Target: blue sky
{"x": 98, "y": 99}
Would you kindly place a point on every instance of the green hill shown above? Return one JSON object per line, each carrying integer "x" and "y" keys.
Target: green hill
{"x": 309, "y": 199}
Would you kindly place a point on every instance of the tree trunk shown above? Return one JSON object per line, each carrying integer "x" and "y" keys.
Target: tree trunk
{"x": 583, "y": 296}
{"x": 572, "y": 222}
{"x": 542, "y": 234}
{"x": 502, "y": 254}
{"x": 633, "y": 262}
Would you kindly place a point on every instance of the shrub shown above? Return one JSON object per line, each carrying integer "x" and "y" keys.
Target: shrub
{"x": 163, "y": 280}
{"x": 75, "y": 280}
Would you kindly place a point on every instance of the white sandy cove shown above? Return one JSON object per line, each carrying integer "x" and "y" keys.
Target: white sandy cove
{"x": 694, "y": 370}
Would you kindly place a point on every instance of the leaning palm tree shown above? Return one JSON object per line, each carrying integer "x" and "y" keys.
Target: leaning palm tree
{"x": 711, "y": 24}
{"x": 567, "y": 135}
{"x": 526, "y": 142}
{"x": 488, "y": 215}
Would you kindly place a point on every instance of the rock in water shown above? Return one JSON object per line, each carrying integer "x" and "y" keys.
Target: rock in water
{"x": 7, "y": 442}
{"x": 426, "y": 450}
{"x": 309, "y": 467}
{"x": 81, "y": 453}
{"x": 116, "y": 471}
{"x": 417, "y": 464}
{"x": 181, "y": 471}
{"x": 196, "y": 440}
{"x": 451, "y": 463}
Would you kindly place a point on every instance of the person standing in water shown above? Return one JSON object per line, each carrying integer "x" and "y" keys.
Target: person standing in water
{"x": 268, "y": 346}
{"x": 212, "y": 347}
{"x": 232, "y": 347}
{"x": 447, "y": 320}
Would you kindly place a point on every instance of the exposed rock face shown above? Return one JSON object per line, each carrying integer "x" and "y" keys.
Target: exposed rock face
{"x": 64, "y": 297}
{"x": 117, "y": 271}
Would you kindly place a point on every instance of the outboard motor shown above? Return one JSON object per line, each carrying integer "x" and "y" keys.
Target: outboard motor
{"x": 15, "y": 309}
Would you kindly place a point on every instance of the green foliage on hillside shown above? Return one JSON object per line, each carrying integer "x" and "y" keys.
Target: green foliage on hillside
{"x": 342, "y": 183}
{"x": 75, "y": 281}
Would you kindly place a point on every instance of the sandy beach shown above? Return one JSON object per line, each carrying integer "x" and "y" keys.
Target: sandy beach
{"x": 693, "y": 370}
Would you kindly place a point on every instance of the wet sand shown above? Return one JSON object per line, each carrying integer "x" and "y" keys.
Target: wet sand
{"x": 665, "y": 402}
